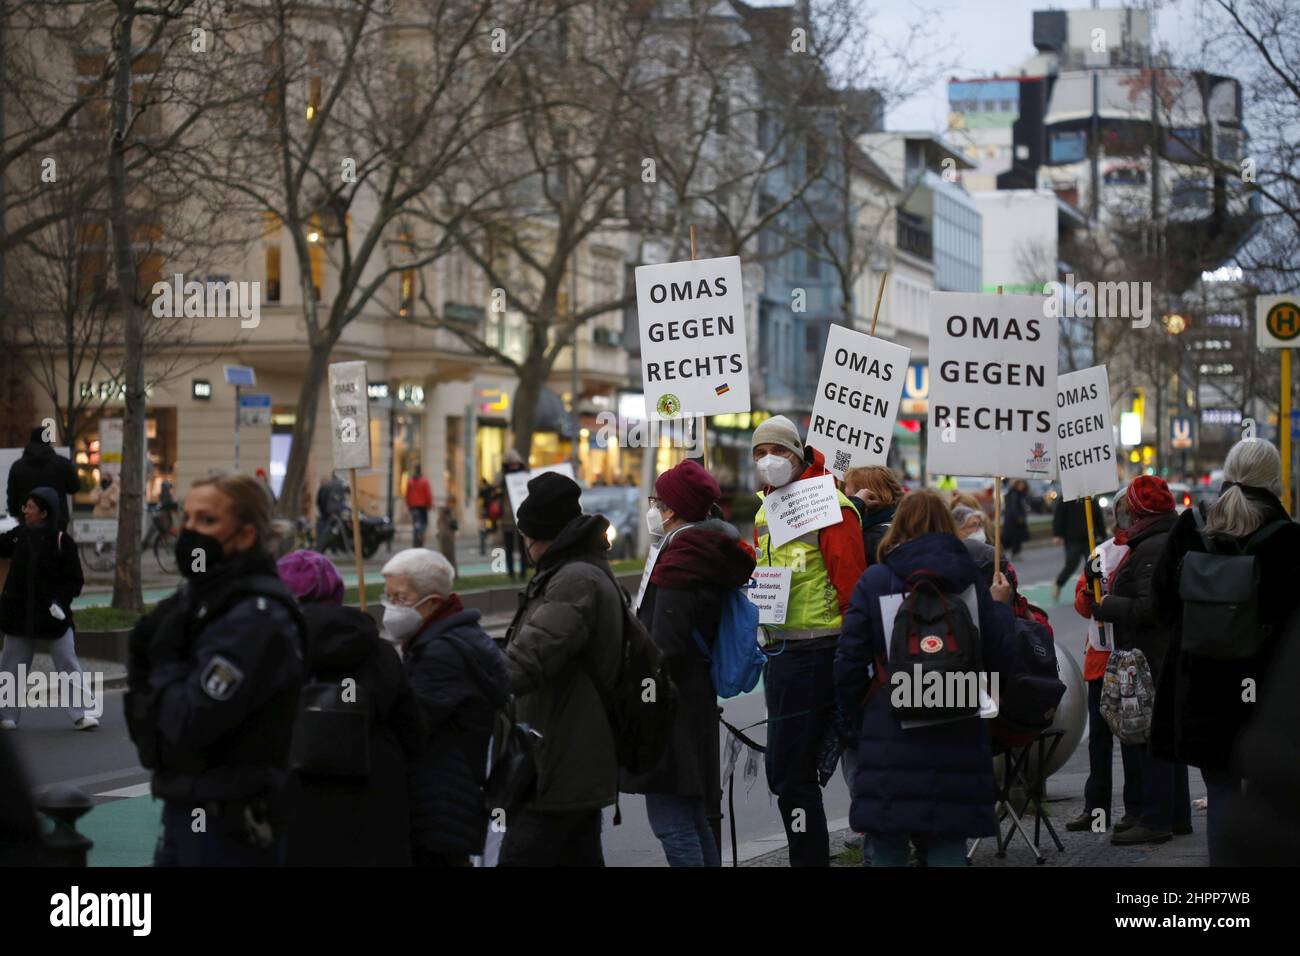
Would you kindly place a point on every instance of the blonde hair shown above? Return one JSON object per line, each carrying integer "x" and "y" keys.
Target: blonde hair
{"x": 920, "y": 512}
{"x": 251, "y": 502}
{"x": 1255, "y": 462}
{"x": 882, "y": 481}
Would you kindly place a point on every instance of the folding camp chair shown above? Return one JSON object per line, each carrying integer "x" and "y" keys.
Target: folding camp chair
{"x": 1014, "y": 768}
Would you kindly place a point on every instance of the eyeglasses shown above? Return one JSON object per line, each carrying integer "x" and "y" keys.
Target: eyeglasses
{"x": 654, "y": 502}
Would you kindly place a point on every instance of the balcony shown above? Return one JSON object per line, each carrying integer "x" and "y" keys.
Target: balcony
{"x": 913, "y": 237}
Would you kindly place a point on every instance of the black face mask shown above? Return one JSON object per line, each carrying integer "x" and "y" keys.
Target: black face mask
{"x": 189, "y": 541}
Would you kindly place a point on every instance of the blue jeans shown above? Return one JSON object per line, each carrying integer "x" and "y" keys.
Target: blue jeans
{"x": 1097, "y": 790}
{"x": 1166, "y": 799}
{"x": 799, "y": 688}
{"x": 681, "y": 825}
{"x": 892, "y": 850}
{"x": 1221, "y": 791}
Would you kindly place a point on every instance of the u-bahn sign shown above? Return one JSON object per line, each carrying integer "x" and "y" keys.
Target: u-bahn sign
{"x": 1277, "y": 321}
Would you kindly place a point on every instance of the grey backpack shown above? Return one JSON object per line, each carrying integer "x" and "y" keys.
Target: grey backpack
{"x": 1220, "y": 592}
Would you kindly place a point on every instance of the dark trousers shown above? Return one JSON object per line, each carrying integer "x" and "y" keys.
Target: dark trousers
{"x": 1166, "y": 798}
{"x": 1097, "y": 791}
{"x": 1075, "y": 552}
{"x": 508, "y": 539}
{"x": 419, "y": 525}
{"x": 800, "y": 692}
{"x": 570, "y": 838}
{"x": 1221, "y": 791}
{"x": 219, "y": 843}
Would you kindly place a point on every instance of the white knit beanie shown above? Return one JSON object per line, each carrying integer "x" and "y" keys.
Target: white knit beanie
{"x": 777, "y": 430}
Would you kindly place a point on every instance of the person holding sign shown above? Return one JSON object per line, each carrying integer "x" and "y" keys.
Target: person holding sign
{"x": 825, "y": 566}
{"x": 933, "y": 784}
{"x": 1146, "y": 515}
{"x": 699, "y": 557}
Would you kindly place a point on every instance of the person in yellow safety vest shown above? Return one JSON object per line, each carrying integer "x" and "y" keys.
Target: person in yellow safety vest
{"x": 798, "y": 680}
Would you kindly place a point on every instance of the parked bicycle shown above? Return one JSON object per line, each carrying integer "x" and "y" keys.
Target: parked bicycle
{"x": 98, "y": 541}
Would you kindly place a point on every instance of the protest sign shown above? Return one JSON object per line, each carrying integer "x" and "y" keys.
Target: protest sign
{"x": 349, "y": 415}
{"x": 857, "y": 399}
{"x": 769, "y": 591}
{"x": 694, "y": 355}
{"x": 800, "y": 507}
{"x": 992, "y": 386}
{"x": 1084, "y": 437}
{"x": 517, "y": 482}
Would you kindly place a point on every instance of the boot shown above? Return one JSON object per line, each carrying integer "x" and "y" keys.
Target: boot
{"x": 1134, "y": 836}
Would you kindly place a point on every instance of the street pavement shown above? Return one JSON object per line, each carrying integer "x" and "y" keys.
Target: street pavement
{"x": 124, "y": 820}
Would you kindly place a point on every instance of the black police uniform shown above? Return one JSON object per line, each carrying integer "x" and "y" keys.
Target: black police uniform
{"x": 213, "y": 692}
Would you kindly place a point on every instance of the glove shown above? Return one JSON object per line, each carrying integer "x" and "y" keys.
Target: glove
{"x": 1089, "y": 574}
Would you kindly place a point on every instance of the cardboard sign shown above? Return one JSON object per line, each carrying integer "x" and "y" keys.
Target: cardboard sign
{"x": 769, "y": 591}
{"x": 349, "y": 415}
{"x": 517, "y": 482}
{"x": 1084, "y": 438}
{"x": 1110, "y": 554}
{"x": 694, "y": 355}
{"x": 800, "y": 507}
{"x": 992, "y": 386}
{"x": 857, "y": 399}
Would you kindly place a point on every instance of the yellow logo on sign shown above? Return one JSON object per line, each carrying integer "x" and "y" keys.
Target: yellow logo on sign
{"x": 1283, "y": 321}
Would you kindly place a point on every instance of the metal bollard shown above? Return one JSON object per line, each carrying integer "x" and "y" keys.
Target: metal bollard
{"x": 64, "y": 845}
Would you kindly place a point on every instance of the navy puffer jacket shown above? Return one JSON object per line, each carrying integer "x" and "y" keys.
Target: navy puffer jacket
{"x": 459, "y": 677}
{"x": 929, "y": 780}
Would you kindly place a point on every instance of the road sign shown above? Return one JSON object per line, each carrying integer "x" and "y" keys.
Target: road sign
{"x": 240, "y": 375}
{"x": 255, "y": 409}
{"x": 1180, "y": 431}
{"x": 1277, "y": 321}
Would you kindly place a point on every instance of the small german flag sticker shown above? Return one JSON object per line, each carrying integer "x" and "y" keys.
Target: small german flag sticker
{"x": 722, "y": 389}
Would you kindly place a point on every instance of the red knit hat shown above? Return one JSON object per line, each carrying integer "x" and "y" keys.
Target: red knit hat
{"x": 1149, "y": 495}
{"x": 688, "y": 490}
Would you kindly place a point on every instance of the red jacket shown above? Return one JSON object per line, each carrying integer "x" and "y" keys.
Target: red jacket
{"x": 418, "y": 493}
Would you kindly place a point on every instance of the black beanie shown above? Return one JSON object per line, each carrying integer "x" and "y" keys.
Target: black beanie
{"x": 551, "y": 504}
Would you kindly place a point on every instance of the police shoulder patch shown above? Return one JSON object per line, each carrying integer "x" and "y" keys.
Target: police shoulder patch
{"x": 220, "y": 679}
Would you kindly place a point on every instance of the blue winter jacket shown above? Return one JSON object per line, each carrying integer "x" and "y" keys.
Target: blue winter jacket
{"x": 929, "y": 780}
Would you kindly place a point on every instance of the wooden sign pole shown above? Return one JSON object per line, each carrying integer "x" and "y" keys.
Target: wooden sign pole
{"x": 880, "y": 294}
{"x": 702, "y": 421}
{"x": 356, "y": 542}
{"x": 1092, "y": 545}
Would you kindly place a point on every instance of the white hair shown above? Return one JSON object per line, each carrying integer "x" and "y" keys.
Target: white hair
{"x": 1255, "y": 462}
{"x": 428, "y": 571}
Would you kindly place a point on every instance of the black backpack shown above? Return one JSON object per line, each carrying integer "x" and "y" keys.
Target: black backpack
{"x": 1030, "y": 684}
{"x": 934, "y": 635}
{"x": 643, "y": 701}
{"x": 331, "y": 735}
{"x": 1220, "y": 592}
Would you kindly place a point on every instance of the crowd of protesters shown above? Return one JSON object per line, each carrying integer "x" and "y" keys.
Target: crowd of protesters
{"x": 306, "y": 732}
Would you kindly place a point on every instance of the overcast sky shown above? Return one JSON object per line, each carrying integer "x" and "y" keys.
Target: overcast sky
{"x": 992, "y": 37}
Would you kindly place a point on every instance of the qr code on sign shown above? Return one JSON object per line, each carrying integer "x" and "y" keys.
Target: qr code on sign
{"x": 841, "y": 461}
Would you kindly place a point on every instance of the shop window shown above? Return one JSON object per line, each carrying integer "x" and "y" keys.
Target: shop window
{"x": 315, "y": 79}
{"x": 316, "y": 255}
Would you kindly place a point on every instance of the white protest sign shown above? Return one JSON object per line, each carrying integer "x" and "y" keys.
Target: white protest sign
{"x": 857, "y": 399}
{"x": 769, "y": 591}
{"x": 349, "y": 415}
{"x": 517, "y": 482}
{"x": 110, "y": 447}
{"x": 1110, "y": 555}
{"x": 800, "y": 507}
{"x": 1084, "y": 437}
{"x": 992, "y": 386}
{"x": 695, "y": 359}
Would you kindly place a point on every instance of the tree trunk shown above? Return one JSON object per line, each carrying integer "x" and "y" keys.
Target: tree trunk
{"x": 532, "y": 379}
{"x": 126, "y": 579}
{"x": 304, "y": 427}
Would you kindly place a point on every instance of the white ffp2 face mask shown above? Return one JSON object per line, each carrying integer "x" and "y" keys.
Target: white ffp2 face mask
{"x": 979, "y": 536}
{"x": 654, "y": 521}
{"x": 401, "y": 622}
{"x": 774, "y": 470}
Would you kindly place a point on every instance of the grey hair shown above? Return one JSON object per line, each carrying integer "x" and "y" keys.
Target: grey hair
{"x": 1253, "y": 461}
{"x": 429, "y": 571}
{"x": 963, "y": 513}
